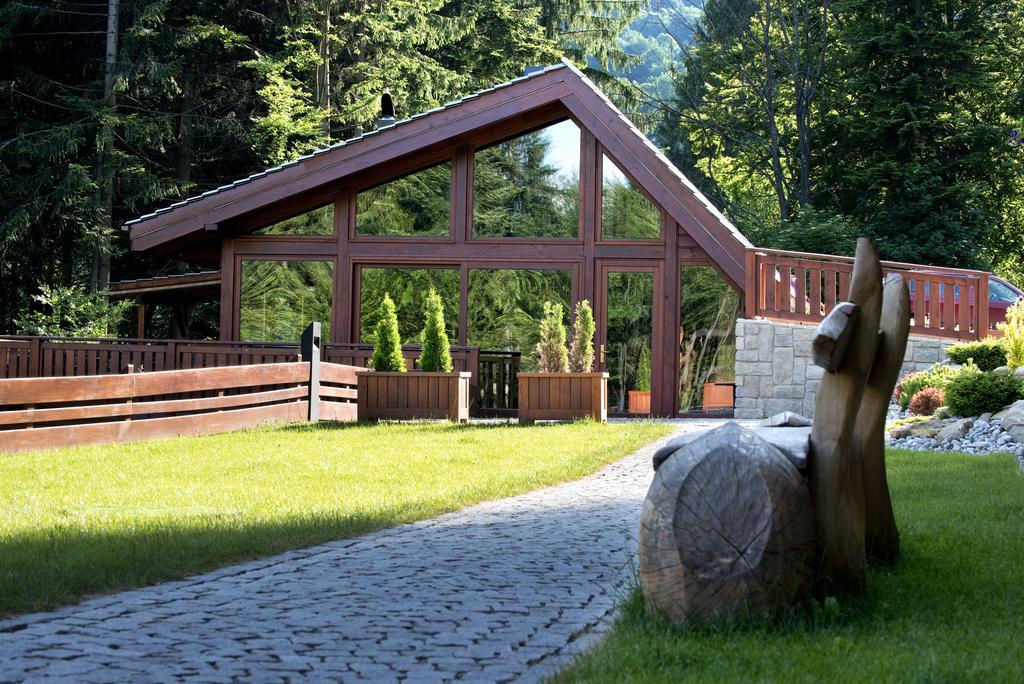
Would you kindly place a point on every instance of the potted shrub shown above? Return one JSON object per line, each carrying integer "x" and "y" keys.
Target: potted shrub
{"x": 639, "y": 398}
{"x": 565, "y": 388}
{"x": 433, "y": 391}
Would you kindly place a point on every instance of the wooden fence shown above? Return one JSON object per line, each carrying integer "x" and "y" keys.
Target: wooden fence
{"x": 47, "y": 412}
{"x": 796, "y": 286}
{"x": 492, "y": 386}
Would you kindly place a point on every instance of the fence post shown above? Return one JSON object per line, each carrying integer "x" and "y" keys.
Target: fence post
{"x": 35, "y": 358}
{"x": 982, "y": 306}
{"x": 310, "y": 350}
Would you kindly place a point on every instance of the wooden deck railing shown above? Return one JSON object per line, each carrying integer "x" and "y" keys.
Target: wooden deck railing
{"x": 796, "y": 286}
{"x": 48, "y": 412}
{"x": 493, "y": 385}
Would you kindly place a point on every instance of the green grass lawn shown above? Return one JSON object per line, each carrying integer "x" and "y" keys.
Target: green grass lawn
{"x": 950, "y": 610}
{"x": 100, "y": 518}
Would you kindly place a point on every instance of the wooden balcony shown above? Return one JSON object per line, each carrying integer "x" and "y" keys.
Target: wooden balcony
{"x": 796, "y": 286}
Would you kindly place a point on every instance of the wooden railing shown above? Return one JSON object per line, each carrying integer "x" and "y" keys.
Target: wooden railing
{"x": 796, "y": 286}
{"x": 493, "y": 384}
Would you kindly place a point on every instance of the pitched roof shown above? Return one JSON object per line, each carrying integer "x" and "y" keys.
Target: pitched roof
{"x": 339, "y": 145}
{"x": 559, "y": 83}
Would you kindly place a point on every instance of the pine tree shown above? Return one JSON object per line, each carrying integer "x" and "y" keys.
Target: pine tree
{"x": 581, "y": 353}
{"x": 554, "y": 357}
{"x": 436, "y": 355}
{"x": 387, "y": 348}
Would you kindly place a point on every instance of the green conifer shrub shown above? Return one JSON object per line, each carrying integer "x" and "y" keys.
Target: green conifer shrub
{"x": 971, "y": 394}
{"x": 988, "y": 354}
{"x": 387, "y": 348}
{"x": 551, "y": 350}
{"x": 581, "y": 353}
{"x": 436, "y": 356}
{"x": 643, "y": 371}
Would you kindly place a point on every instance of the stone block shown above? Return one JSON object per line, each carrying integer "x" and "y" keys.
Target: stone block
{"x": 789, "y": 392}
{"x": 782, "y": 366}
{"x": 748, "y": 414}
{"x": 746, "y": 355}
{"x": 765, "y": 345}
{"x": 799, "y": 370}
{"x": 773, "y": 406}
{"x": 753, "y": 368}
{"x": 782, "y": 340}
{"x": 746, "y": 403}
{"x": 925, "y": 354}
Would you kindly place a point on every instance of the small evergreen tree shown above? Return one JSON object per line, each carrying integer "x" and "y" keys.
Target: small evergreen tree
{"x": 436, "y": 355}
{"x": 643, "y": 371}
{"x": 554, "y": 357}
{"x": 581, "y": 353}
{"x": 387, "y": 349}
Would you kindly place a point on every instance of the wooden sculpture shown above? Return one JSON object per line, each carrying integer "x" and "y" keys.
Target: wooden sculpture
{"x": 754, "y": 519}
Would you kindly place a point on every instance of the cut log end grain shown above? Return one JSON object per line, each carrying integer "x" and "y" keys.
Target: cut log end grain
{"x": 727, "y": 528}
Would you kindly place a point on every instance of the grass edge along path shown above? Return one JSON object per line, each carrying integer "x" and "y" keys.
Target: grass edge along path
{"x": 84, "y": 520}
{"x": 951, "y": 609}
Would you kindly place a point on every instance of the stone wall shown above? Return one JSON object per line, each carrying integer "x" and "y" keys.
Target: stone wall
{"x": 774, "y": 372}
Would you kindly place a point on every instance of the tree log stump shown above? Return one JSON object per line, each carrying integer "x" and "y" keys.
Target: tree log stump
{"x": 727, "y": 527}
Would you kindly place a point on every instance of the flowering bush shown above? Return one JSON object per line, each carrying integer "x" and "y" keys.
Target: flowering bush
{"x": 938, "y": 376}
{"x": 925, "y": 402}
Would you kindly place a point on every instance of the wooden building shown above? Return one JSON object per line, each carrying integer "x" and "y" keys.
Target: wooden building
{"x": 246, "y": 222}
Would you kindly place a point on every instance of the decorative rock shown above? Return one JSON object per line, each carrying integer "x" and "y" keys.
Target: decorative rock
{"x": 1002, "y": 369}
{"x": 785, "y": 419}
{"x": 924, "y": 428}
{"x": 1012, "y": 415}
{"x": 954, "y": 430}
{"x": 1019, "y": 372}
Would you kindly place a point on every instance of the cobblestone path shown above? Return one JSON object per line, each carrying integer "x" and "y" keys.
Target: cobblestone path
{"x": 506, "y": 590}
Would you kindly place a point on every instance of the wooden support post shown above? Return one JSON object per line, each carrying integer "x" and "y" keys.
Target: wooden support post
{"x": 140, "y": 313}
{"x": 310, "y": 350}
{"x": 981, "y": 319}
{"x": 750, "y": 284}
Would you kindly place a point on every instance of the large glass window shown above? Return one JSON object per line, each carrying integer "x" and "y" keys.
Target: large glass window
{"x": 280, "y": 298}
{"x": 626, "y": 213}
{"x": 506, "y": 307}
{"x": 408, "y": 287}
{"x": 319, "y": 221}
{"x": 708, "y": 307}
{"x": 414, "y": 205}
{"x": 529, "y": 186}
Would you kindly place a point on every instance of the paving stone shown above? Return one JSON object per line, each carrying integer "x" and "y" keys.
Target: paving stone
{"x": 502, "y": 591}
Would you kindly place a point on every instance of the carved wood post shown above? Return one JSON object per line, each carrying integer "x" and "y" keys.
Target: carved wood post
{"x": 837, "y": 486}
{"x": 881, "y": 536}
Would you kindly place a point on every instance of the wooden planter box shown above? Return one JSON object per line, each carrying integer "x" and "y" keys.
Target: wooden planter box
{"x": 413, "y": 394}
{"x": 562, "y": 396}
{"x": 639, "y": 401}
{"x": 719, "y": 395}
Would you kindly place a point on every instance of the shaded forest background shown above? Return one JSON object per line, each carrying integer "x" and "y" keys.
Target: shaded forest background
{"x": 808, "y": 123}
